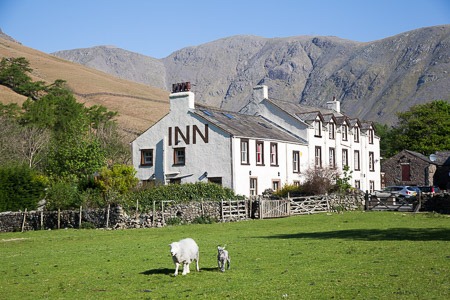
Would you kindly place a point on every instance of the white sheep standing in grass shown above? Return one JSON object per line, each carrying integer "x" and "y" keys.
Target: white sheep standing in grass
{"x": 184, "y": 252}
{"x": 223, "y": 258}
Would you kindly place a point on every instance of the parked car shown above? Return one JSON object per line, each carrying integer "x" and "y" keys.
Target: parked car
{"x": 396, "y": 191}
{"x": 417, "y": 189}
{"x": 429, "y": 190}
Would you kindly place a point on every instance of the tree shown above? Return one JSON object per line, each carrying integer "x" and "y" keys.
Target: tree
{"x": 9, "y": 130}
{"x": 32, "y": 144}
{"x": 117, "y": 180}
{"x": 79, "y": 157}
{"x": 424, "y": 128}
{"x": 319, "y": 181}
{"x": 11, "y": 111}
{"x": 343, "y": 183}
{"x": 58, "y": 111}
{"x": 387, "y": 140}
{"x": 13, "y": 74}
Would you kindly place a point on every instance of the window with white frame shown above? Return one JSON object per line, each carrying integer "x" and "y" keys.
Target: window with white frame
{"x": 332, "y": 157}
{"x": 260, "y": 153}
{"x": 356, "y": 134}
{"x": 317, "y": 128}
{"x": 356, "y": 160}
{"x": 318, "y": 157}
{"x": 371, "y": 133}
{"x": 331, "y": 131}
{"x": 344, "y": 129}
{"x": 371, "y": 161}
{"x": 371, "y": 186}
{"x": 273, "y": 154}
{"x": 296, "y": 161}
{"x": 179, "y": 156}
{"x": 344, "y": 158}
{"x": 244, "y": 152}
{"x": 357, "y": 184}
{"x": 146, "y": 157}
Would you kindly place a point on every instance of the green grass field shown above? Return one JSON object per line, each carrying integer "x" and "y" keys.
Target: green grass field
{"x": 355, "y": 255}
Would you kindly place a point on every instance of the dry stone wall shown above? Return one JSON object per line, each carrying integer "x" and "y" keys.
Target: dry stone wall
{"x": 169, "y": 212}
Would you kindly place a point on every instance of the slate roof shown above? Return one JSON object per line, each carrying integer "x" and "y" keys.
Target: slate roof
{"x": 366, "y": 125}
{"x": 309, "y": 113}
{"x": 295, "y": 108}
{"x": 443, "y": 158}
{"x": 245, "y": 125}
{"x": 419, "y": 155}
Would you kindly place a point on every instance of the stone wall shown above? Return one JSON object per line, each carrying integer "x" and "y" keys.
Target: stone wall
{"x": 169, "y": 212}
{"x": 117, "y": 218}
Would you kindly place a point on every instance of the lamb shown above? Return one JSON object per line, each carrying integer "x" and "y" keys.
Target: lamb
{"x": 222, "y": 258}
{"x": 184, "y": 252}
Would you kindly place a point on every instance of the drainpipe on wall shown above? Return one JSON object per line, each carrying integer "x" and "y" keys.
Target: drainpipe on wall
{"x": 232, "y": 164}
{"x": 165, "y": 145}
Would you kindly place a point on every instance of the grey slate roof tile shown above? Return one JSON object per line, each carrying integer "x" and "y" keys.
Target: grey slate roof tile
{"x": 245, "y": 125}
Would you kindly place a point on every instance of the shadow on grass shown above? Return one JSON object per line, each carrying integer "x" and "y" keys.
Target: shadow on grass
{"x": 166, "y": 271}
{"x": 390, "y": 234}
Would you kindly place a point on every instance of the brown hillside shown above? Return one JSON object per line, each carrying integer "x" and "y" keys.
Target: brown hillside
{"x": 139, "y": 106}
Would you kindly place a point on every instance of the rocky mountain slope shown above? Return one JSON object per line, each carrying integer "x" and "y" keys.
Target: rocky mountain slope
{"x": 372, "y": 80}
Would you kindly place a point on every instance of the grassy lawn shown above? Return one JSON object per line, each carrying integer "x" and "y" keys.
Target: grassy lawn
{"x": 355, "y": 255}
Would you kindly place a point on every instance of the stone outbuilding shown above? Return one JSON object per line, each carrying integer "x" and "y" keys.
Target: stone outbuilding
{"x": 413, "y": 168}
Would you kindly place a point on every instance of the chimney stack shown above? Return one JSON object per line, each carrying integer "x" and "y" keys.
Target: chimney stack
{"x": 334, "y": 105}
{"x": 260, "y": 92}
{"x": 181, "y": 97}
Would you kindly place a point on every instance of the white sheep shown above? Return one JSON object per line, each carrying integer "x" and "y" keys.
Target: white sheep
{"x": 184, "y": 252}
{"x": 222, "y": 258}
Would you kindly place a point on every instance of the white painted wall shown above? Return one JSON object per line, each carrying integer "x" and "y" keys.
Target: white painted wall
{"x": 265, "y": 174}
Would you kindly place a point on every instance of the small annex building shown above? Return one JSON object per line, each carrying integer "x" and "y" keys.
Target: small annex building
{"x": 264, "y": 146}
{"x": 412, "y": 168}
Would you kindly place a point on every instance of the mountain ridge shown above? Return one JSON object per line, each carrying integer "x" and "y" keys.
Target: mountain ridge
{"x": 373, "y": 80}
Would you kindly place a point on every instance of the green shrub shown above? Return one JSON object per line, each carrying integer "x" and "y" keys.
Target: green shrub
{"x": 87, "y": 225}
{"x": 20, "y": 188}
{"x": 288, "y": 189}
{"x": 178, "y": 193}
{"x": 173, "y": 221}
{"x": 63, "y": 194}
{"x": 203, "y": 219}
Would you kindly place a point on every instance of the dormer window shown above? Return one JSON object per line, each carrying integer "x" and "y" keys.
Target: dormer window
{"x": 356, "y": 134}
{"x": 370, "y": 133}
{"x": 317, "y": 128}
{"x": 344, "y": 132}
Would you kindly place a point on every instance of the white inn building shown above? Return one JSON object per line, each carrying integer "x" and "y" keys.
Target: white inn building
{"x": 268, "y": 144}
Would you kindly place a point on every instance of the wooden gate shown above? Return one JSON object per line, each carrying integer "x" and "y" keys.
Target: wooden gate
{"x": 393, "y": 203}
{"x": 234, "y": 210}
{"x": 274, "y": 208}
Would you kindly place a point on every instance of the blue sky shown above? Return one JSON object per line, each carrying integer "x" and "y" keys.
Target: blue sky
{"x": 158, "y": 28}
